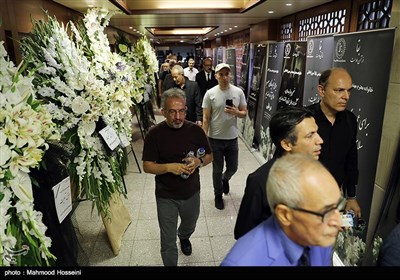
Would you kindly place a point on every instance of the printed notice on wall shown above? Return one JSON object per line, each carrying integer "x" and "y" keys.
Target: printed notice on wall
{"x": 62, "y": 199}
{"x": 110, "y": 136}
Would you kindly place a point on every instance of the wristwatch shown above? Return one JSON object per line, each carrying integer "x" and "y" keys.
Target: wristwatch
{"x": 201, "y": 162}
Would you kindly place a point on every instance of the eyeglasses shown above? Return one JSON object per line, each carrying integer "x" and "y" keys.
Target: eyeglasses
{"x": 327, "y": 215}
{"x": 173, "y": 112}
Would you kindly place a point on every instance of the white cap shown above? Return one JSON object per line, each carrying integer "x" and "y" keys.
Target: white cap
{"x": 222, "y": 66}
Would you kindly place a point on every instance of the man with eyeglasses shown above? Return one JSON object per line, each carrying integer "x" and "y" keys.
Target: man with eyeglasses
{"x": 165, "y": 151}
{"x": 206, "y": 77}
{"x": 338, "y": 128}
{"x": 306, "y": 203}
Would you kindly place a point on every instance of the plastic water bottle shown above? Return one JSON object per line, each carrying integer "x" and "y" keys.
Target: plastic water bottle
{"x": 200, "y": 152}
{"x": 187, "y": 161}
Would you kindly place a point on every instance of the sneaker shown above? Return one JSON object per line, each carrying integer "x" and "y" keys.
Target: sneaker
{"x": 219, "y": 203}
{"x": 186, "y": 247}
{"x": 225, "y": 186}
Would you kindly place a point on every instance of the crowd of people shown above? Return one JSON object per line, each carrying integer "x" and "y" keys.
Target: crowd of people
{"x": 291, "y": 210}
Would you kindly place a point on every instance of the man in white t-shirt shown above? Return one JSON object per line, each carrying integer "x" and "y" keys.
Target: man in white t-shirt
{"x": 190, "y": 72}
{"x": 222, "y": 105}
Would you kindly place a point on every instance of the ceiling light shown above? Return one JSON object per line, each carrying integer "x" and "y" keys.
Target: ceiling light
{"x": 179, "y": 30}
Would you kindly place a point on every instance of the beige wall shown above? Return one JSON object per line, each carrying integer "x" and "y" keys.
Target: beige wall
{"x": 391, "y": 127}
{"x": 16, "y": 19}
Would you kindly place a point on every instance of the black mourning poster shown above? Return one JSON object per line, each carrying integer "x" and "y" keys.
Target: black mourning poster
{"x": 294, "y": 62}
{"x": 220, "y": 55}
{"x": 231, "y": 61}
{"x": 319, "y": 58}
{"x": 244, "y": 69}
{"x": 271, "y": 91}
{"x": 252, "y": 100}
{"x": 367, "y": 56}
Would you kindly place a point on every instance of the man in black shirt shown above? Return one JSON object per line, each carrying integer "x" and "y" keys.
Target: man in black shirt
{"x": 292, "y": 130}
{"x": 193, "y": 97}
{"x": 164, "y": 150}
{"x": 338, "y": 128}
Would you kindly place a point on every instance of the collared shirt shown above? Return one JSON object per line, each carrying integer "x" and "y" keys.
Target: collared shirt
{"x": 190, "y": 73}
{"x": 268, "y": 245}
{"x": 339, "y": 150}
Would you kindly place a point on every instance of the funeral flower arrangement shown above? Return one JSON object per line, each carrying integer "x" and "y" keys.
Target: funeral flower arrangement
{"x": 351, "y": 249}
{"x": 142, "y": 59}
{"x": 82, "y": 87}
{"x": 25, "y": 125}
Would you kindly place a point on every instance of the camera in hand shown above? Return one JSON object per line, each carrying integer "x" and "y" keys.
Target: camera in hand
{"x": 229, "y": 102}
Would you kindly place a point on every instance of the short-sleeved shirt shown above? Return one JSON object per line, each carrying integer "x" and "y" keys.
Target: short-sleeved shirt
{"x": 223, "y": 126}
{"x": 164, "y": 144}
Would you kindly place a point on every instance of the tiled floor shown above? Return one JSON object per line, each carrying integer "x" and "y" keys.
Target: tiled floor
{"x": 211, "y": 240}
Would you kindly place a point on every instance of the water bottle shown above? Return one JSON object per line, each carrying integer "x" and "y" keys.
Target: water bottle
{"x": 187, "y": 161}
{"x": 200, "y": 152}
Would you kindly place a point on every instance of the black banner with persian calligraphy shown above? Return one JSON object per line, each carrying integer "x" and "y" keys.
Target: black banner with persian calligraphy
{"x": 319, "y": 58}
{"x": 271, "y": 92}
{"x": 367, "y": 56}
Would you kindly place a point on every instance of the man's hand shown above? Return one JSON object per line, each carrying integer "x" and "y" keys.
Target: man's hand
{"x": 353, "y": 205}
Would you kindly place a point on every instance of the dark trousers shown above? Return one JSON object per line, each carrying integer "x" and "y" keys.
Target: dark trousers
{"x": 228, "y": 150}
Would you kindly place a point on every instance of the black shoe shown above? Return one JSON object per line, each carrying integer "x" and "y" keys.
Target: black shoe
{"x": 225, "y": 186}
{"x": 186, "y": 247}
{"x": 219, "y": 203}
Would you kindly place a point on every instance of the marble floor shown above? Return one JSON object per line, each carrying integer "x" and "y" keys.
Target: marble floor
{"x": 140, "y": 246}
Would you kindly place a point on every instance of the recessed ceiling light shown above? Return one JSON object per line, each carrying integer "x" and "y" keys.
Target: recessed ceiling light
{"x": 270, "y": 12}
{"x": 288, "y": 4}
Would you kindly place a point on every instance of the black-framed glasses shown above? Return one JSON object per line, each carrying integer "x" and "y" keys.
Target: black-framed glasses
{"x": 327, "y": 215}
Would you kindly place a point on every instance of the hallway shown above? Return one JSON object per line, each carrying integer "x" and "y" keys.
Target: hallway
{"x": 211, "y": 240}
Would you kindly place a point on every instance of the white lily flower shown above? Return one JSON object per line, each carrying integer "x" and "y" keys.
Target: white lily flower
{"x": 5, "y": 154}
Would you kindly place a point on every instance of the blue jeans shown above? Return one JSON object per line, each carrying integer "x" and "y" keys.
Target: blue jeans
{"x": 167, "y": 213}
{"x": 228, "y": 149}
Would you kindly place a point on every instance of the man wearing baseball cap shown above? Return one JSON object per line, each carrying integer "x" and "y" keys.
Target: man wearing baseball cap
{"x": 222, "y": 105}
